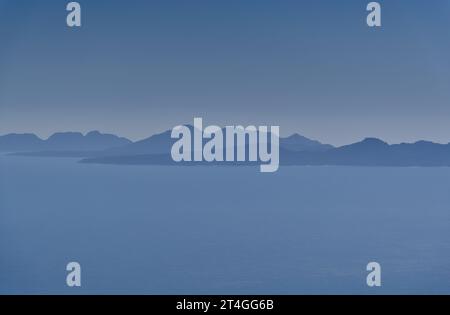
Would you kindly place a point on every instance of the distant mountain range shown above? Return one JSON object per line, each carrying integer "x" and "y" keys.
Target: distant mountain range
{"x": 62, "y": 141}
{"x": 375, "y": 152}
{"x": 96, "y": 143}
{"x": 95, "y": 147}
{"x": 162, "y": 143}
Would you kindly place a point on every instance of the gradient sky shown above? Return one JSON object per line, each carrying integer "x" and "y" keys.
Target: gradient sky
{"x": 313, "y": 67}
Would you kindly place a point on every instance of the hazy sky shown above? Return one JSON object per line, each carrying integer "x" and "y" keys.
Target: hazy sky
{"x": 313, "y": 67}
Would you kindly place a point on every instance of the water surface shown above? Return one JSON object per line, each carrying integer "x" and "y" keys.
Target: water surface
{"x": 222, "y": 230}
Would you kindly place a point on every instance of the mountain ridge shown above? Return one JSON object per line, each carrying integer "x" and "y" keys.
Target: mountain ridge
{"x": 96, "y": 147}
{"x": 60, "y": 141}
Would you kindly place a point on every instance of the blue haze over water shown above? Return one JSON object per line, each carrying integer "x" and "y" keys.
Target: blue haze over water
{"x": 224, "y": 230}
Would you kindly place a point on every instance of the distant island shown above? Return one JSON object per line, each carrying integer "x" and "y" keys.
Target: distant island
{"x": 96, "y": 147}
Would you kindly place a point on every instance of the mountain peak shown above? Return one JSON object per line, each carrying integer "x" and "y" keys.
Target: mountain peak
{"x": 65, "y": 135}
{"x": 296, "y": 136}
{"x": 297, "y": 142}
{"x": 93, "y": 133}
{"x": 373, "y": 141}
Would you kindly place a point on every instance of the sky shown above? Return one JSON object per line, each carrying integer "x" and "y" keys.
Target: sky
{"x": 312, "y": 67}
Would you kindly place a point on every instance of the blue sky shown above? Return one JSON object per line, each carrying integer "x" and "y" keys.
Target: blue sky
{"x": 313, "y": 67}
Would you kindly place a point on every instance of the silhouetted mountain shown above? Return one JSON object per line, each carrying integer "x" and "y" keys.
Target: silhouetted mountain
{"x": 375, "y": 152}
{"x": 156, "y": 150}
{"x": 294, "y": 150}
{"x": 93, "y": 140}
{"x": 156, "y": 144}
{"x": 64, "y": 141}
{"x": 162, "y": 143}
{"x": 76, "y": 144}
{"x": 297, "y": 142}
{"x": 20, "y": 142}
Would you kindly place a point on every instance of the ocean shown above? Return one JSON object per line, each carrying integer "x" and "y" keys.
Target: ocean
{"x": 220, "y": 229}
